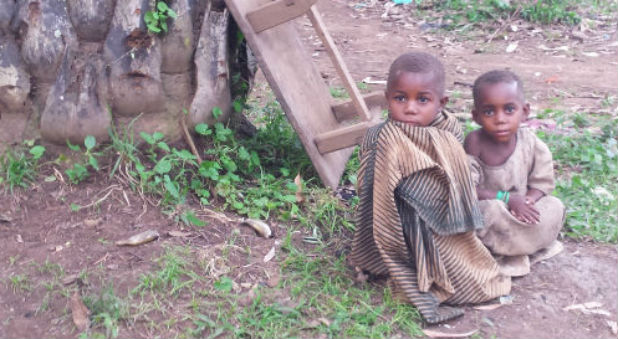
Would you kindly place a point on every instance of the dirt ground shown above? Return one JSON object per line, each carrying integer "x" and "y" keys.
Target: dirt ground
{"x": 37, "y": 226}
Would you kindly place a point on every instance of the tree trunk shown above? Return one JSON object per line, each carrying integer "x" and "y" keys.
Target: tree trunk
{"x": 76, "y": 67}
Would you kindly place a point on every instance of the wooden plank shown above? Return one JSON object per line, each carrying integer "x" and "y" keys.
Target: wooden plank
{"x": 298, "y": 86}
{"x": 342, "y": 70}
{"x": 277, "y": 12}
{"x": 375, "y": 101}
{"x": 343, "y": 137}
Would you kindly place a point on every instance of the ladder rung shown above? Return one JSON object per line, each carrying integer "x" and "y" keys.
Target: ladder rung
{"x": 375, "y": 101}
{"x": 342, "y": 137}
{"x": 277, "y": 12}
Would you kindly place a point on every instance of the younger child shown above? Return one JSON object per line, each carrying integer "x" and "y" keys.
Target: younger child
{"x": 513, "y": 172}
{"x": 417, "y": 211}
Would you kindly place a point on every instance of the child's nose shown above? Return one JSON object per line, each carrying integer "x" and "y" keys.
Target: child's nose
{"x": 411, "y": 107}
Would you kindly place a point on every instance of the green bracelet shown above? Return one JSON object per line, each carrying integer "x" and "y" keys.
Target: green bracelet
{"x": 507, "y": 195}
{"x": 500, "y": 195}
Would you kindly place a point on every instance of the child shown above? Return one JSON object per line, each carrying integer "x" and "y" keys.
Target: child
{"x": 513, "y": 172}
{"x": 417, "y": 216}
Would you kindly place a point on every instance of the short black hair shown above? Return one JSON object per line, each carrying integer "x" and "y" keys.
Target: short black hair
{"x": 495, "y": 77}
{"x": 417, "y": 62}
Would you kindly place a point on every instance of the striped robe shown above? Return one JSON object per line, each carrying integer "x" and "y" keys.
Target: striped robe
{"x": 417, "y": 216}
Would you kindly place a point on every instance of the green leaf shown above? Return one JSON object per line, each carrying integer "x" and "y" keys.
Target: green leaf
{"x": 171, "y": 13}
{"x": 216, "y": 112}
{"x": 203, "y": 129}
{"x": 243, "y": 154}
{"x": 184, "y": 155}
{"x": 237, "y": 106}
{"x": 171, "y": 187}
{"x": 164, "y": 26}
{"x": 154, "y": 28}
{"x": 93, "y": 162}
{"x": 162, "y": 6}
{"x": 37, "y": 151}
{"x": 224, "y": 284}
{"x": 75, "y": 207}
{"x": 148, "y": 18}
{"x": 163, "y": 166}
{"x": 163, "y": 146}
{"x": 229, "y": 164}
{"x": 73, "y": 147}
{"x": 190, "y": 216}
{"x": 157, "y": 136}
{"x": 90, "y": 142}
{"x": 147, "y": 137}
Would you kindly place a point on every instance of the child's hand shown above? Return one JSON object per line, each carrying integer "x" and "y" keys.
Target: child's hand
{"x": 523, "y": 209}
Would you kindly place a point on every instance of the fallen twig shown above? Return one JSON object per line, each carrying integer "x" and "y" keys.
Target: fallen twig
{"x": 188, "y": 138}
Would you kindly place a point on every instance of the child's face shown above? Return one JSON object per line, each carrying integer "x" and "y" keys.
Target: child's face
{"x": 500, "y": 110}
{"x": 413, "y": 98}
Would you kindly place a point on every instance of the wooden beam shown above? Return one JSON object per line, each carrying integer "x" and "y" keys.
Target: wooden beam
{"x": 343, "y": 137}
{"x": 342, "y": 70}
{"x": 277, "y": 12}
{"x": 375, "y": 101}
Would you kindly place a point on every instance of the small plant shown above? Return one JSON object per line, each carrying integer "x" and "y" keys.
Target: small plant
{"x": 18, "y": 168}
{"x": 156, "y": 20}
{"x": 107, "y": 311}
{"x": 79, "y": 171}
{"x": 20, "y": 283}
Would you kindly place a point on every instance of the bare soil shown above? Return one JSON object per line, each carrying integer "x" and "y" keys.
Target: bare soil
{"x": 38, "y": 225}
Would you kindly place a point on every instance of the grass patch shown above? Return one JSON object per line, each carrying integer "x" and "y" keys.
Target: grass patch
{"x": 19, "y": 165}
{"x": 587, "y": 174}
{"x": 463, "y": 14}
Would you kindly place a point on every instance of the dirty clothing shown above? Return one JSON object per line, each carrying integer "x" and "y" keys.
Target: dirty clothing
{"x": 530, "y": 166}
{"x": 417, "y": 216}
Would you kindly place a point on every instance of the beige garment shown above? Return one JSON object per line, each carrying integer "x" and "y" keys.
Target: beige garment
{"x": 530, "y": 166}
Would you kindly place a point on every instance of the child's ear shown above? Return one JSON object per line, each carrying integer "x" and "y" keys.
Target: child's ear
{"x": 526, "y": 110}
{"x": 475, "y": 115}
{"x": 443, "y": 101}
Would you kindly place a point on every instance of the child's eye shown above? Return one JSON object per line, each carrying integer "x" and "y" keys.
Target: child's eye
{"x": 400, "y": 98}
{"x": 423, "y": 100}
{"x": 488, "y": 112}
{"x": 510, "y": 108}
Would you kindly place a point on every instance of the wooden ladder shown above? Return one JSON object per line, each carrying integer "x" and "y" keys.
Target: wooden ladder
{"x": 323, "y": 127}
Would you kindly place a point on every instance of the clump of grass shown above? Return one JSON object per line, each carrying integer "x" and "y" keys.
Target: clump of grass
{"x": 457, "y": 14}
{"x": 19, "y": 166}
{"x": 587, "y": 176}
{"x": 108, "y": 311}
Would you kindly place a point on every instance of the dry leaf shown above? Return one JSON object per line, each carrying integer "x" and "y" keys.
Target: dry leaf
{"x": 80, "y": 312}
{"x": 368, "y": 80}
{"x": 260, "y": 227}
{"x": 591, "y": 54}
{"x": 5, "y": 218}
{"x": 274, "y": 280}
{"x": 592, "y": 307}
{"x": 178, "y": 234}
{"x": 512, "y": 47}
{"x": 551, "y": 79}
{"x": 591, "y": 304}
{"x": 488, "y": 307}
{"x": 92, "y": 222}
{"x": 438, "y": 334}
{"x": 324, "y": 321}
{"x": 299, "y": 188}
{"x": 138, "y": 239}
{"x": 271, "y": 254}
{"x": 19, "y": 239}
{"x": 69, "y": 279}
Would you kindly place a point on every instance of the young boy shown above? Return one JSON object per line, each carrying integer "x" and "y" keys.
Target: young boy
{"x": 417, "y": 211}
{"x": 513, "y": 172}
